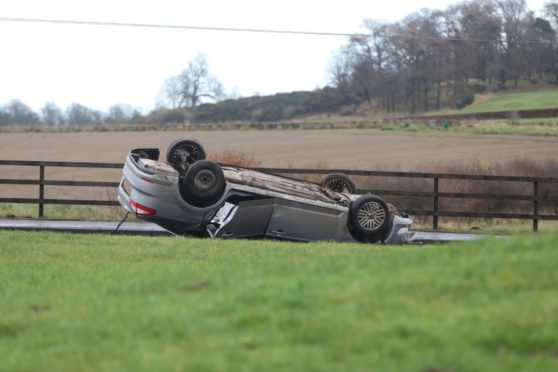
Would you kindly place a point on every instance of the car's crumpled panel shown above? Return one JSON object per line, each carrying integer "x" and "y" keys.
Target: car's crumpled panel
{"x": 284, "y": 185}
{"x": 157, "y": 166}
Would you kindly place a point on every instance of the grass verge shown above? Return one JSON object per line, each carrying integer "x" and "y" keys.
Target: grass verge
{"x": 93, "y": 302}
{"x": 496, "y": 127}
{"x": 63, "y": 212}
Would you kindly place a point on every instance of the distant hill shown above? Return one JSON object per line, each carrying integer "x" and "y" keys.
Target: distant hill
{"x": 281, "y": 106}
{"x": 329, "y": 104}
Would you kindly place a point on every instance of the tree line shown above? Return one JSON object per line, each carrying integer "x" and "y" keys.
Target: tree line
{"x": 18, "y": 113}
{"x": 434, "y": 58}
{"x": 192, "y": 87}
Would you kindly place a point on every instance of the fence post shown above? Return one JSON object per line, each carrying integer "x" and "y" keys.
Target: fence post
{"x": 41, "y": 190}
{"x": 435, "y": 209}
{"x": 535, "y": 206}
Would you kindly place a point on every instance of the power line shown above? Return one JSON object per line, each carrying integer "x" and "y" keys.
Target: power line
{"x": 182, "y": 27}
{"x": 257, "y": 30}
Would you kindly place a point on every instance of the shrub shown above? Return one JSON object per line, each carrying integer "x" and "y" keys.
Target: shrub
{"x": 235, "y": 158}
{"x": 513, "y": 168}
{"x": 478, "y": 88}
{"x": 464, "y": 100}
{"x": 281, "y": 106}
{"x": 168, "y": 116}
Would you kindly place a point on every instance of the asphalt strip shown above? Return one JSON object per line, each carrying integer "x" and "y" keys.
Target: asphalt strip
{"x": 151, "y": 229}
{"x": 102, "y": 227}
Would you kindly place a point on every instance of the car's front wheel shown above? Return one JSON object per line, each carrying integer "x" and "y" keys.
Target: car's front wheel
{"x": 203, "y": 185}
{"x": 369, "y": 219}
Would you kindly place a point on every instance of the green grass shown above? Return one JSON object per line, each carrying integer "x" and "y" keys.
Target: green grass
{"x": 516, "y": 101}
{"x": 476, "y": 127}
{"x": 538, "y": 121}
{"x": 484, "y": 225}
{"x": 92, "y": 302}
{"x": 63, "y": 212}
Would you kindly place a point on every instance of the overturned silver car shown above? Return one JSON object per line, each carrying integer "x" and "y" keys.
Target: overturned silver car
{"x": 189, "y": 195}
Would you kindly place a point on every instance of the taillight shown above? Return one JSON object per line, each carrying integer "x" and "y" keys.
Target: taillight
{"x": 140, "y": 209}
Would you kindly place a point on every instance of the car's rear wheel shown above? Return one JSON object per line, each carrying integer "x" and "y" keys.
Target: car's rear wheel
{"x": 338, "y": 182}
{"x": 183, "y": 152}
{"x": 369, "y": 219}
{"x": 203, "y": 185}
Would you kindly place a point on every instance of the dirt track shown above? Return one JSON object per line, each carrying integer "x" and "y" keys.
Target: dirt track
{"x": 357, "y": 149}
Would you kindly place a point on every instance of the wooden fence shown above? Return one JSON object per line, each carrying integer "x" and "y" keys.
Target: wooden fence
{"x": 42, "y": 182}
{"x": 534, "y": 198}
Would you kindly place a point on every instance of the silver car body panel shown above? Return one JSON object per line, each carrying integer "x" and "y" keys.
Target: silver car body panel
{"x": 266, "y": 206}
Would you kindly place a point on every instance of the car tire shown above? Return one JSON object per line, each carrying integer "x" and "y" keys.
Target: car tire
{"x": 338, "y": 182}
{"x": 369, "y": 219}
{"x": 203, "y": 185}
{"x": 192, "y": 149}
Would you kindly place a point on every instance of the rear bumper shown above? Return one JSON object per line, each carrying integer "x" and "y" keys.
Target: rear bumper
{"x": 155, "y": 197}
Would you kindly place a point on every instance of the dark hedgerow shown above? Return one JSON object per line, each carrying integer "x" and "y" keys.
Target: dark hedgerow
{"x": 281, "y": 106}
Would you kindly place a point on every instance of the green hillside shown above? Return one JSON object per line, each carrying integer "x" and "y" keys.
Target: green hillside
{"x": 298, "y": 105}
{"x": 515, "y": 101}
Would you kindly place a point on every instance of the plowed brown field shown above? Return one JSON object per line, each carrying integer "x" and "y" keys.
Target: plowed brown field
{"x": 349, "y": 149}
{"x": 366, "y": 149}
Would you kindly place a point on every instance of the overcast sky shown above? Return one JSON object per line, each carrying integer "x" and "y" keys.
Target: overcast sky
{"x": 101, "y": 66}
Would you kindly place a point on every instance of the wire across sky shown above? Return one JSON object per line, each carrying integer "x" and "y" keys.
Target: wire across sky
{"x": 249, "y": 30}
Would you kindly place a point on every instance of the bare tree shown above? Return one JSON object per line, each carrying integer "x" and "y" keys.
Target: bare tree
{"x": 551, "y": 10}
{"x": 371, "y": 58}
{"x": 192, "y": 86}
{"x": 514, "y": 14}
{"x": 170, "y": 96}
{"x": 52, "y": 115}
{"x": 340, "y": 69}
{"x": 21, "y": 114}
{"x": 81, "y": 115}
{"x": 5, "y": 119}
{"x": 119, "y": 113}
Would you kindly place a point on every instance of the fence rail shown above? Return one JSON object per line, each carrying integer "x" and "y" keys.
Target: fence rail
{"x": 435, "y": 195}
{"x": 41, "y": 201}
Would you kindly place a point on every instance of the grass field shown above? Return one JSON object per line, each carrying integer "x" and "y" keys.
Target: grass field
{"x": 352, "y": 148}
{"x": 91, "y": 302}
{"x": 341, "y": 149}
{"x": 515, "y": 101}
